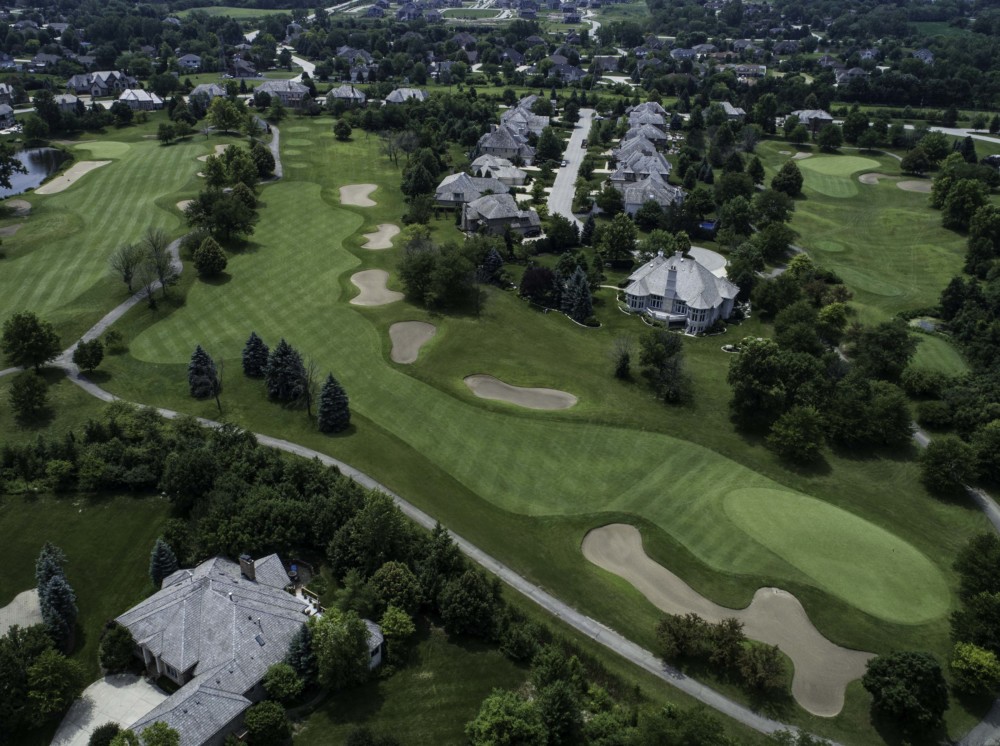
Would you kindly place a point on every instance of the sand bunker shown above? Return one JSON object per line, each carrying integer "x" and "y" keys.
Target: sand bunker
{"x": 20, "y": 206}
{"x": 10, "y": 230}
{"x": 822, "y": 669}
{"x": 23, "y": 611}
{"x": 873, "y": 178}
{"x": 923, "y": 187}
{"x": 784, "y": 152}
{"x": 219, "y": 150}
{"x": 183, "y": 204}
{"x": 801, "y": 156}
{"x": 70, "y": 177}
{"x": 407, "y": 339}
{"x": 357, "y": 195}
{"x": 488, "y": 387}
{"x": 381, "y": 238}
{"x": 371, "y": 283}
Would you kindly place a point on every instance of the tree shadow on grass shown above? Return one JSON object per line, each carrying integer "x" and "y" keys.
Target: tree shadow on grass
{"x": 98, "y": 377}
{"x": 220, "y": 279}
{"x": 894, "y": 734}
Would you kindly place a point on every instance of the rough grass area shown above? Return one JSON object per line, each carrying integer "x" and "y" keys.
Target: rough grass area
{"x": 429, "y": 699}
{"x": 240, "y": 14}
{"x": 937, "y": 353}
{"x": 107, "y": 541}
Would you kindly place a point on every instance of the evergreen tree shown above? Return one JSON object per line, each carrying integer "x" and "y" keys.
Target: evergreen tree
{"x": 50, "y": 563}
{"x": 203, "y": 378}
{"x": 162, "y": 562}
{"x": 285, "y": 375}
{"x": 577, "y": 302}
{"x": 334, "y": 415}
{"x": 255, "y": 355}
{"x": 756, "y": 170}
{"x": 968, "y": 150}
{"x": 587, "y": 236}
{"x": 58, "y": 602}
{"x": 490, "y": 271}
{"x": 300, "y": 655}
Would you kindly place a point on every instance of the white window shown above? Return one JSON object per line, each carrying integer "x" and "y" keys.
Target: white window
{"x": 655, "y": 301}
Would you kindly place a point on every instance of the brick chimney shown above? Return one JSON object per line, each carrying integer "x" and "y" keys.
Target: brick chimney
{"x": 247, "y": 568}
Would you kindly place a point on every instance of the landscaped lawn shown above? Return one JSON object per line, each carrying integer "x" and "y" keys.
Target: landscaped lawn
{"x": 527, "y": 486}
{"x": 430, "y": 699}
{"x": 885, "y": 243}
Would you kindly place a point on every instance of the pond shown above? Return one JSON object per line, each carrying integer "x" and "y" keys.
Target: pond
{"x": 40, "y": 162}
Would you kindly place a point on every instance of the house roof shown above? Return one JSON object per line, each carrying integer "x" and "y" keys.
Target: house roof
{"x": 654, "y": 188}
{"x": 283, "y": 86}
{"x": 347, "y": 92}
{"x": 498, "y": 168}
{"x": 733, "y": 111}
{"x": 137, "y": 94}
{"x": 500, "y": 207}
{"x": 646, "y": 117}
{"x": 807, "y": 115}
{"x": 522, "y": 116}
{"x": 470, "y": 187}
{"x": 692, "y": 282}
{"x": 400, "y": 95}
{"x": 503, "y": 137}
{"x": 209, "y": 89}
{"x": 648, "y": 106}
{"x": 632, "y": 146}
{"x": 648, "y": 131}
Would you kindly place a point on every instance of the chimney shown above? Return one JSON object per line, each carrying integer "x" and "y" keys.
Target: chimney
{"x": 246, "y": 567}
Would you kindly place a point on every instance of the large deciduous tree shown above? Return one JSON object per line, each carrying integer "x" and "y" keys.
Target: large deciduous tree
{"x": 209, "y": 258}
{"x": 88, "y": 354}
{"x": 340, "y": 642}
{"x": 661, "y": 361}
{"x": 28, "y": 341}
{"x": 125, "y": 260}
{"x": 788, "y": 179}
{"x": 908, "y": 687}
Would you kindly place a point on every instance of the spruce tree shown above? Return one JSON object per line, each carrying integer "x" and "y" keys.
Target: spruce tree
{"x": 203, "y": 378}
{"x": 162, "y": 562}
{"x": 58, "y": 602}
{"x": 587, "y": 236}
{"x": 285, "y": 375}
{"x": 255, "y": 355}
{"x": 50, "y": 563}
{"x": 300, "y": 654}
{"x": 334, "y": 415}
{"x": 577, "y": 302}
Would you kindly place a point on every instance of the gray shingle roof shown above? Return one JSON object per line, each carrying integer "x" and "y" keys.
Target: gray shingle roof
{"x": 283, "y": 86}
{"x": 692, "y": 282}
{"x": 652, "y": 188}
{"x": 400, "y": 95}
{"x": 500, "y": 207}
{"x": 469, "y": 187}
{"x": 347, "y": 92}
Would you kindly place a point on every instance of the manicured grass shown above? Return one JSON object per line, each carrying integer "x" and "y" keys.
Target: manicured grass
{"x": 887, "y": 245}
{"x": 937, "y": 28}
{"x": 69, "y": 407}
{"x": 430, "y": 699}
{"x": 527, "y": 486}
{"x": 470, "y": 13}
{"x": 240, "y": 14}
{"x": 107, "y": 541}
{"x": 937, "y": 353}
{"x": 57, "y": 263}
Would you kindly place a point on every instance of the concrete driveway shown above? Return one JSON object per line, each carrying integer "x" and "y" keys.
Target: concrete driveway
{"x": 122, "y": 698}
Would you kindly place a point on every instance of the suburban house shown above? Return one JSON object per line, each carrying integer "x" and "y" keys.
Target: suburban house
{"x": 683, "y": 54}
{"x": 6, "y": 93}
{"x": 494, "y": 213}
{"x": 647, "y": 131}
{"x": 101, "y": 83}
{"x": 288, "y": 92}
{"x": 506, "y": 143}
{"x": 522, "y": 120}
{"x": 212, "y": 90}
{"x": 346, "y": 93}
{"x": 401, "y": 95}
{"x": 490, "y": 166}
{"x": 457, "y": 189}
{"x": 652, "y": 118}
{"x": 628, "y": 148}
{"x": 214, "y": 630}
{"x": 814, "y": 119}
{"x": 140, "y": 100}
{"x": 679, "y": 290}
{"x": 189, "y": 62}
{"x": 67, "y": 103}
{"x": 733, "y": 113}
{"x": 640, "y": 166}
{"x": 6, "y": 116}
{"x": 653, "y": 188}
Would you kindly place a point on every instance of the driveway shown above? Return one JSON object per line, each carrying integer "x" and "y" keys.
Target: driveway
{"x": 561, "y": 196}
{"x": 121, "y": 698}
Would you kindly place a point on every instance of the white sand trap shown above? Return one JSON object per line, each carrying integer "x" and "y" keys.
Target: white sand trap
{"x": 371, "y": 283}
{"x": 822, "y": 669}
{"x": 488, "y": 387}
{"x": 357, "y": 195}
{"x": 784, "y": 152}
{"x": 801, "y": 156}
{"x": 923, "y": 187}
{"x": 183, "y": 204}
{"x": 219, "y": 150}
{"x": 20, "y": 206}
{"x": 70, "y": 177}
{"x": 381, "y": 238}
{"x": 873, "y": 178}
{"x": 23, "y": 611}
{"x": 407, "y": 339}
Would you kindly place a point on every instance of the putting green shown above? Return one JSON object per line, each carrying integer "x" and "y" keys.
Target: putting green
{"x": 836, "y": 165}
{"x": 844, "y": 554}
{"x": 104, "y": 149}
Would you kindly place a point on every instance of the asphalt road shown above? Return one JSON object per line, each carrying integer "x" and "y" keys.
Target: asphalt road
{"x": 561, "y": 196}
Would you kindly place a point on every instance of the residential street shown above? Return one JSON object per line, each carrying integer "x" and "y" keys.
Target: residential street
{"x": 561, "y": 196}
